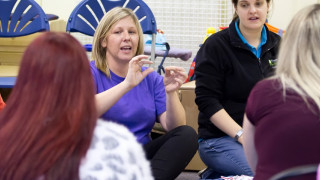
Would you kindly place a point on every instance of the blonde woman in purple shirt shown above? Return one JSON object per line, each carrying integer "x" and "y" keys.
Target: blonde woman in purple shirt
{"x": 137, "y": 97}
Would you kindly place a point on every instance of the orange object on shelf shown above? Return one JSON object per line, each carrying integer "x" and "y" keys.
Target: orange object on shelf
{"x": 222, "y": 28}
{"x": 2, "y": 104}
{"x": 278, "y": 31}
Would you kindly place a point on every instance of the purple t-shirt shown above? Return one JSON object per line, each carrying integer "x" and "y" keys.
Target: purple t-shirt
{"x": 287, "y": 133}
{"x": 137, "y": 109}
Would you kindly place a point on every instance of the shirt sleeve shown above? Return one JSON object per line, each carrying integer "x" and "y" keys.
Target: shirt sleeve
{"x": 263, "y": 98}
{"x": 95, "y": 74}
{"x": 159, "y": 94}
{"x": 250, "y": 107}
{"x": 209, "y": 73}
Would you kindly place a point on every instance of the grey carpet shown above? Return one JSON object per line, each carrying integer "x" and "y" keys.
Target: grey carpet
{"x": 188, "y": 175}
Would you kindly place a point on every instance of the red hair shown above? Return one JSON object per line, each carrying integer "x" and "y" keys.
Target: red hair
{"x": 47, "y": 125}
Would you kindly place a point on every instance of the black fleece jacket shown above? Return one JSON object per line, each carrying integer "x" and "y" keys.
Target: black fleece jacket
{"x": 226, "y": 71}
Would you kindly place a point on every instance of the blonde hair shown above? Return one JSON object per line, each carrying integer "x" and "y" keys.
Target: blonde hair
{"x": 103, "y": 30}
{"x": 298, "y": 65}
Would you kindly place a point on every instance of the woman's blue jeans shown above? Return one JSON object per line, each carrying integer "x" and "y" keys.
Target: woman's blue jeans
{"x": 224, "y": 157}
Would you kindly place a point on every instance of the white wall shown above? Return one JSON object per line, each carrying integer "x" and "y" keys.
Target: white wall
{"x": 280, "y": 15}
{"x": 61, "y": 8}
{"x": 283, "y": 11}
{"x": 194, "y": 30}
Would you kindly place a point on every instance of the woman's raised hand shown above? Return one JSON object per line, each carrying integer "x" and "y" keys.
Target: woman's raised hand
{"x": 135, "y": 75}
{"x": 174, "y": 78}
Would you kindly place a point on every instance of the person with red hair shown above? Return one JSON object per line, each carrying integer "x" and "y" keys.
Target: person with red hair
{"x": 47, "y": 126}
{"x": 2, "y": 104}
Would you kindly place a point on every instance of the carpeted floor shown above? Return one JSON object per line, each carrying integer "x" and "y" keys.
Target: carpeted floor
{"x": 188, "y": 175}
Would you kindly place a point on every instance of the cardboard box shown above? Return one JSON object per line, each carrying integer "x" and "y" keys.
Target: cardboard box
{"x": 11, "y": 49}
{"x": 187, "y": 97}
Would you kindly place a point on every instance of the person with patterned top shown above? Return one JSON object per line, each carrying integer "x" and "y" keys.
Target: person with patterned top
{"x": 114, "y": 154}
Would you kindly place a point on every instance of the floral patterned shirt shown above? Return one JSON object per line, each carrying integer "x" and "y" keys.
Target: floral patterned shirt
{"x": 114, "y": 154}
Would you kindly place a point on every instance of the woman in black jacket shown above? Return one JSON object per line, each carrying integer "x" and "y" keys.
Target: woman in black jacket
{"x": 228, "y": 65}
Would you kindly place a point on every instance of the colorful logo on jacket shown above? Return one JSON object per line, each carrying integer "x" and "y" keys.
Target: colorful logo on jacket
{"x": 273, "y": 62}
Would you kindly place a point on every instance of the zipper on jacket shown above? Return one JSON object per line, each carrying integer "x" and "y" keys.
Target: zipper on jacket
{"x": 262, "y": 53}
{"x": 259, "y": 60}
